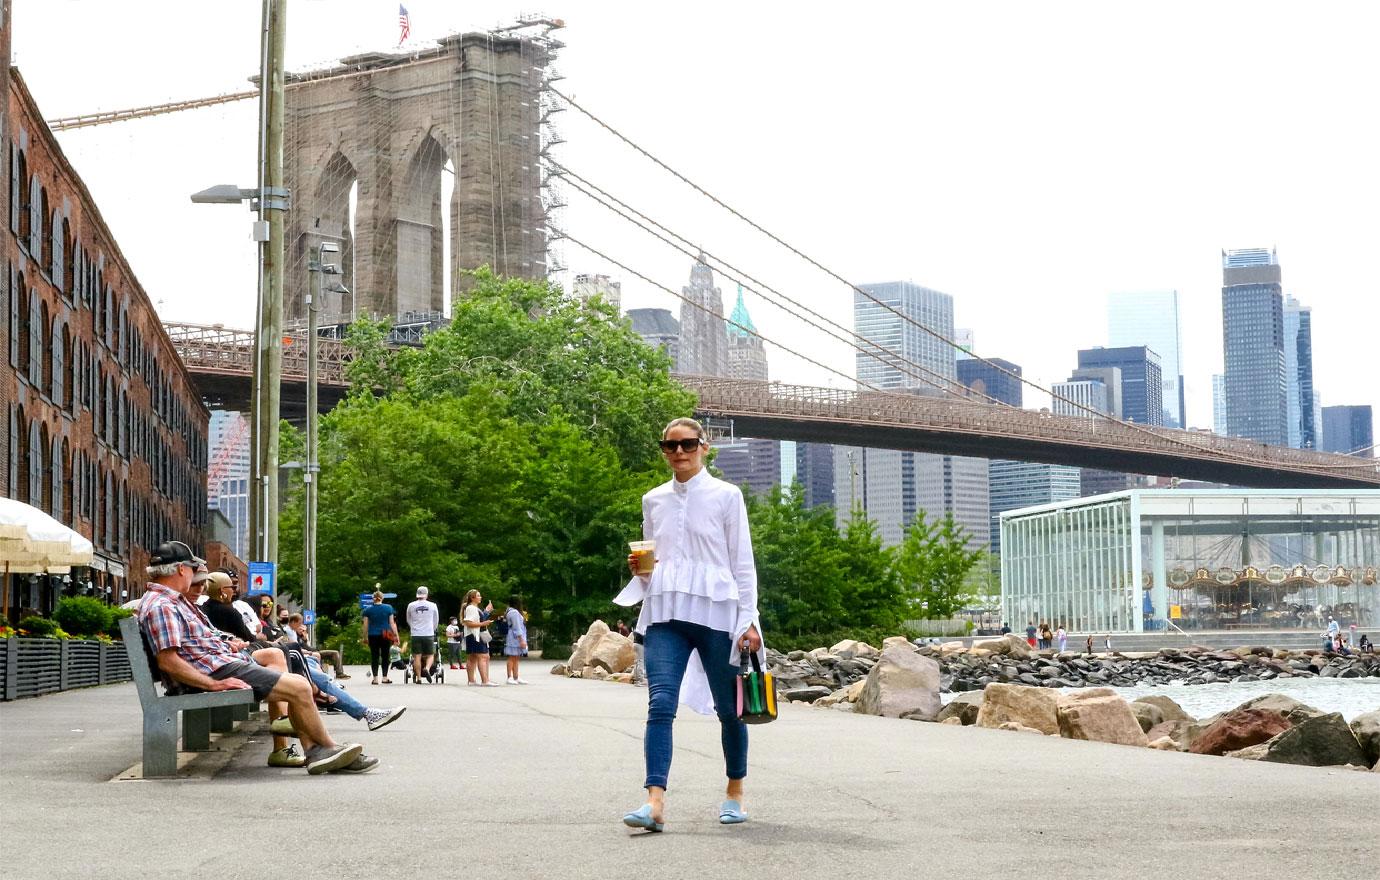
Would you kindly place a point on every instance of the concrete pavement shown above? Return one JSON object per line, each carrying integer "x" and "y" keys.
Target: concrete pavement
{"x": 531, "y": 782}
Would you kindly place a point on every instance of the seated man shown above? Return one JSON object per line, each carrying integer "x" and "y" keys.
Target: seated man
{"x": 192, "y": 653}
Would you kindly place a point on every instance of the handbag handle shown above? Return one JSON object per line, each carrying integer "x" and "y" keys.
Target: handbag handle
{"x": 743, "y": 662}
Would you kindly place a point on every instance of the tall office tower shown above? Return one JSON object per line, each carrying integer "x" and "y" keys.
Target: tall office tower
{"x": 1219, "y": 404}
{"x": 1110, "y": 377}
{"x": 893, "y": 486}
{"x": 985, "y": 380}
{"x": 1298, "y": 373}
{"x": 1141, "y": 382}
{"x": 1254, "y": 385}
{"x": 659, "y": 329}
{"x": 1078, "y": 393}
{"x": 588, "y": 286}
{"x": 1095, "y": 394}
{"x": 1151, "y": 318}
{"x": 814, "y": 468}
{"x": 227, "y": 474}
{"x": 747, "y": 357}
{"x": 753, "y": 463}
{"x": 1349, "y": 430}
{"x": 703, "y": 333}
{"x": 927, "y": 308}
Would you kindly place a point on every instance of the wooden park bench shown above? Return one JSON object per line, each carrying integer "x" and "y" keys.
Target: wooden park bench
{"x": 202, "y": 712}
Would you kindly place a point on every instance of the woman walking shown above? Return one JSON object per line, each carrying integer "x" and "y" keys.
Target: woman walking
{"x": 699, "y": 610}
{"x": 515, "y": 642}
{"x": 476, "y": 642}
{"x": 379, "y": 623}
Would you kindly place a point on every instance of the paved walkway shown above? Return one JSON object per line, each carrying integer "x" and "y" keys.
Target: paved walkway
{"x": 530, "y": 782}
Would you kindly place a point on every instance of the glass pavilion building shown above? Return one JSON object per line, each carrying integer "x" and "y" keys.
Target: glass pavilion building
{"x": 1206, "y": 559}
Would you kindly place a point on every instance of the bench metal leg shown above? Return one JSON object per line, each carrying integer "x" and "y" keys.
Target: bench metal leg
{"x": 222, "y": 719}
{"x": 196, "y": 729}
{"x": 160, "y": 743}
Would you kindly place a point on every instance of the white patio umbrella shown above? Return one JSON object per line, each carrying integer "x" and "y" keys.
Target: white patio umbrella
{"x": 31, "y": 541}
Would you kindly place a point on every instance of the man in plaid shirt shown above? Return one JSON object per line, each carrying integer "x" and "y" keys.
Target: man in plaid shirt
{"x": 191, "y": 652}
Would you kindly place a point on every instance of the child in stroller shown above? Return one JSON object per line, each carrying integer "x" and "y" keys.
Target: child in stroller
{"x": 434, "y": 674}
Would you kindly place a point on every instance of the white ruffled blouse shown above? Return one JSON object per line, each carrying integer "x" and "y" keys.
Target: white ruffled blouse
{"x": 704, "y": 572}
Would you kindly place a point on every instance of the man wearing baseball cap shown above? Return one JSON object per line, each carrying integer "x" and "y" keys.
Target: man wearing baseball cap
{"x": 422, "y": 617}
{"x": 191, "y": 652}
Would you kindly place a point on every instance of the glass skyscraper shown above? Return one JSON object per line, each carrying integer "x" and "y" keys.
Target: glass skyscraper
{"x": 1298, "y": 374}
{"x": 1349, "y": 429}
{"x": 1142, "y": 385}
{"x": 883, "y": 327}
{"x": 1255, "y": 386}
{"x": 1151, "y": 318}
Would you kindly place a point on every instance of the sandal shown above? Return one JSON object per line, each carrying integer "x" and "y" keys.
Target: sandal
{"x": 642, "y": 818}
{"x": 731, "y": 813}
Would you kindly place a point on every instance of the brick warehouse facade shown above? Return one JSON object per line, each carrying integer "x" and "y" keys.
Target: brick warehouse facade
{"x": 106, "y": 431}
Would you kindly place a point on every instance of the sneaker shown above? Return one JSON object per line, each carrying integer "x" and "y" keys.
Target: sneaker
{"x": 342, "y": 676}
{"x": 377, "y": 718}
{"x": 362, "y": 764}
{"x": 492, "y": 684}
{"x": 453, "y": 666}
{"x": 332, "y": 710}
{"x": 323, "y": 760}
{"x": 282, "y": 727}
{"x": 287, "y": 757}
{"x": 520, "y": 681}
{"x": 510, "y": 681}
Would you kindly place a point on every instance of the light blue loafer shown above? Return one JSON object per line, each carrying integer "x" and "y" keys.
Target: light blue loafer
{"x": 731, "y": 813}
{"x": 642, "y": 818}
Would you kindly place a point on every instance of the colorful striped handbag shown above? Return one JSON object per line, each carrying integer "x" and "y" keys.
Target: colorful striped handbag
{"x": 756, "y": 692}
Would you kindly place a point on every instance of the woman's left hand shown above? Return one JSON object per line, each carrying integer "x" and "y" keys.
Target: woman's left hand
{"x": 751, "y": 640}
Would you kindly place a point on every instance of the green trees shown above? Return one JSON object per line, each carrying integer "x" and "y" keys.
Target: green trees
{"x": 934, "y": 563}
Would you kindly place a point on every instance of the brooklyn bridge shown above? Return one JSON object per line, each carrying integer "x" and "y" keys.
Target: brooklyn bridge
{"x": 222, "y": 360}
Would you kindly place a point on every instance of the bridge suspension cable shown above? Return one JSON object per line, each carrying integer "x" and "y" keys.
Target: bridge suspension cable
{"x": 867, "y": 294}
{"x": 879, "y": 353}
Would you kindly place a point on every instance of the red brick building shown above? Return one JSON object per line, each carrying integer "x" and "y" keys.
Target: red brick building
{"x": 105, "y": 429}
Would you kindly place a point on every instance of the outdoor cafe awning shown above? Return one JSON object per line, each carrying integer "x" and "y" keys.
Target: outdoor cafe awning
{"x": 33, "y": 542}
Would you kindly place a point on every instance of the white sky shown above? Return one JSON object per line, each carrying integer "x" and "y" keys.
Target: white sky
{"x": 1027, "y": 158}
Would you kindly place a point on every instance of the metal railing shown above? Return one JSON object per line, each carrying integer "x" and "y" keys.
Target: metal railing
{"x": 217, "y": 349}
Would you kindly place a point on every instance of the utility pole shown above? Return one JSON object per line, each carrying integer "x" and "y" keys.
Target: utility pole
{"x": 310, "y": 468}
{"x": 273, "y": 201}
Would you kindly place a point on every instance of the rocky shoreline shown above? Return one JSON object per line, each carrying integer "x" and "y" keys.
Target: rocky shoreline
{"x": 1004, "y": 684}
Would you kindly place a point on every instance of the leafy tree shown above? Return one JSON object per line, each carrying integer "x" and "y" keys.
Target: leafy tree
{"x": 875, "y": 596}
{"x": 933, "y": 565}
{"x": 800, "y": 564}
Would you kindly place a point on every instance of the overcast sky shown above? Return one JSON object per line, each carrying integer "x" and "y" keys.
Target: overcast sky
{"x": 1027, "y": 158}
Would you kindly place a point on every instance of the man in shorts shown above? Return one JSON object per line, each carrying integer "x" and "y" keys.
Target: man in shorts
{"x": 422, "y": 617}
{"x": 192, "y": 653}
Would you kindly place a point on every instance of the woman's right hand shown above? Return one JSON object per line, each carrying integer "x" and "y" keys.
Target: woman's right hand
{"x": 632, "y": 563}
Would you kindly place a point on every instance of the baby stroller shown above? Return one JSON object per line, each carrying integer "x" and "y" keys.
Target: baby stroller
{"x": 435, "y": 673}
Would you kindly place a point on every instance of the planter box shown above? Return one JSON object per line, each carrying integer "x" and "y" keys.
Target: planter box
{"x": 32, "y": 667}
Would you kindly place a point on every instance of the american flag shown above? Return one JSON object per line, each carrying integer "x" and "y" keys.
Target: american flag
{"x": 404, "y": 25}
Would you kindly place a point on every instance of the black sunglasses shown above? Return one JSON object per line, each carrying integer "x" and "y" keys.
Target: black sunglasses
{"x": 688, "y": 444}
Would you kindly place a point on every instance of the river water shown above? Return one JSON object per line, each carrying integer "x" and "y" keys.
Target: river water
{"x": 1350, "y": 696}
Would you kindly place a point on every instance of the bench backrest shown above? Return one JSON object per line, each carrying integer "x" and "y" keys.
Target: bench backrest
{"x": 139, "y": 662}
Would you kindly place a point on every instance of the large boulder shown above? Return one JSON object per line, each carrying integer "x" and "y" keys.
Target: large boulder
{"x": 1324, "y": 741}
{"x": 902, "y": 683}
{"x": 804, "y": 695}
{"x": 1033, "y": 707}
{"x": 1099, "y": 715}
{"x": 898, "y": 642}
{"x": 1287, "y": 706}
{"x": 1171, "y": 710}
{"x": 1018, "y": 647}
{"x": 964, "y": 707}
{"x": 995, "y": 646}
{"x": 1366, "y": 729}
{"x": 1147, "y": 715}
{"x": 580, "y": 658}
{"x": 1238, "y": 729}
{"x": 851, "y": 648}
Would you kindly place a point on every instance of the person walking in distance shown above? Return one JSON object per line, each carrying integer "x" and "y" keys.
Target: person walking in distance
{"x": 515, "y": 642}
{"x": 453, "y": 643}
{"x": 476, "y": 641}
{"x": 1062, "y": 635}
{"x": 699, "y": 611}
{"x": 422, "y": 617}
{"x": 378, "y": 624}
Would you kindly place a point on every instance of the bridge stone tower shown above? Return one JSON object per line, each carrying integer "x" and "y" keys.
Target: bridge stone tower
{"x": 373, "y": 138}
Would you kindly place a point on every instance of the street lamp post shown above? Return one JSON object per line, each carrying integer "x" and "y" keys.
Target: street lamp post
{"x": 316, "y": 268}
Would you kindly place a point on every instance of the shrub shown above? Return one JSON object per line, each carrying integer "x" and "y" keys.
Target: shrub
{"x": 41, "y": 627}
{"x": 117, "y": 614}
{"x": 82, "y": 615}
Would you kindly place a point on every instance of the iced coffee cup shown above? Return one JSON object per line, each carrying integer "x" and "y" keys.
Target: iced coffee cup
{"x": 644, "y": 556}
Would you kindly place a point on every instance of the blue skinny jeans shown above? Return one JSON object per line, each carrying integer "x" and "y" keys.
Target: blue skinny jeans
{"x": 343, "y": 700}
{"x": 668, "y": 647}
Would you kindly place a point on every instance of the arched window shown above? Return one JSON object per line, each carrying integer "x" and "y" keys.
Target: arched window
{"x": 44, "y": 253}
{"x": 123, "y": 432}
{"x": 19, "y": 316}
{"x": 78, "y": 483}
{"x": 108, "y": 310}
{"x": 55, "y": 491}
{"x": 69, "y": 371}
{"x": 31, "y": 222}
{"x": 59, "y": 255}
{"x": 69, "y": 507}
{"x": 109, "y": 512}
{"x": 57, "y": 364}
{"x": 108, "y": 416}
{"x": 19, "y": 450}
{"x": 45, "y": 466}
{"x": 122, "y": 351}
{"x": 71, "y": 271}
{"x": 97, "y": 505}
{"x": 19, "y": 172}
{"x": 23, "y": 302}
{"x": 122, "y": 517}
{"x": 35, "y": 459}
{"x": 44, "y": 379}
